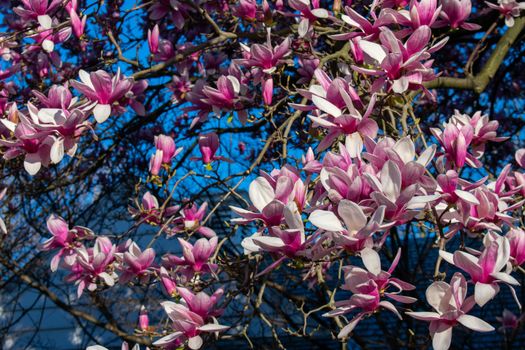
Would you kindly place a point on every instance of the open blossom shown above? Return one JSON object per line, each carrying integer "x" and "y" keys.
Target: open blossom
{"x": 263, "y": 60}
{"x": 359, "y": 230}
{"x": 451, "y": 307}
{"x": 455, "y": 13}
{"x": 365, "y": 28}
{"x": 270, "y": 194}
{"x": 195, "y": 256}
{"x": 283, "y": 243}
{"x": 104, "y": 89}
{"x": 509, "y": 9}
{"x": 64, "y": 239}
{"x": 509, "y": 321}
{"x": 309, "y": 11}
{"x": 187, "y": 326}
{"x": 38, "y": 10}
{"x": 92, "y": 265}
{"x": 137, "y": 263}
{"x": 246, "y": 9}
{"x": 401, "y": 66}
{"x": 190, "y": 220}
{"x": 516, "y": 238}
{"x": 45, "y": 136}
{"x": 369, "y": 286}
{"x": 486, "y": 270}
{"x": 402, "y": 204}
{"x": 423, "y": 13}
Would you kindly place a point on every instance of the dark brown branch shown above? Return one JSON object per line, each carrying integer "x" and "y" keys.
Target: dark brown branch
{"x": 479, "y": 82}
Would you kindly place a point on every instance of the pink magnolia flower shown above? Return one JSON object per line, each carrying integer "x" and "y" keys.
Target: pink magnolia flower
{"x": 309, "y": 11}
{"x": 369, "y": 287}
{"x": 58, "y": 96}
{"x": 509, "y": 321}
{"x": 208, "y": 146}
{"x": 201, "y": 303}
{"x": 451, "y": 307}
{"x": 509, "y": 9}
{"x": 455, "y": 14}
{"x": 307, "y": 69}
{"x": 450, "y": 186}
{"x": 484, "y": 130}
{"x": 225, "y": 96}
{"x": 401, "y": 204}
{"x": 64, "y": 238}
{"x": 486, "y": 270}
{"x": 104, "y": 89}
{"x": 423, "y": 12}
{"x": 137, "y": 263}
{"x": 47, "y": 38}
{"x": 168, "y": 282}
{"x": 401, "y": 66}
{"x": 490, "y": 213}
{"x": 150, "y": 211}
{"x": 168, "y": 148}
{"x": 190, "y": 220}
{"x": 365, "y": 28}
{"x": 359, "y": 230}
{"x": 283, "y": 243}
{"x": 265, "y": 58}
{"x": 520, "y": 157}
{"x": 195, "y": 257}
{"x": 153, "y": 39}
{"x": 38, "y": 10}
{"x": 92, "y": 265}
{"x": 187, "y": 327}
{"x": 516, "y": 238}
{"x": 456, "y": 141}
{"x": 143, "y": 319}
{"x": 77, "y": 24}
{"x": 45, "y": 136}
{"x": 246, "y": 9}
{"x": 270, "y": 194}
{"x": 155, "y": 162}
{"x": 310, "y": 164}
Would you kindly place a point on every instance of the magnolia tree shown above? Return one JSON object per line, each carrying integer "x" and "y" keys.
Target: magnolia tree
{"x": 345, "y": 174}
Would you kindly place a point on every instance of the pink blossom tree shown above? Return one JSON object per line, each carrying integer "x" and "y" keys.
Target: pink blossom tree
{"x": 184, "y": 174}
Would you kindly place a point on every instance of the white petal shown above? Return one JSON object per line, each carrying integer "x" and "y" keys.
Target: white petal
{"x": 57, "y": 151}
{"x": 45, "y": 21}
{"x": 373, "y": 50}
{"x": 304, "y": 25}
{"x": 261, "y": 193}
{"x": 101, "y": 112}
{"x": 405, "y": 149}
{"x": 32, "y": 164}
{"x": 483, "y": 292}
{"x": 467, "y": 197}
{"x": 326, "y": 220}
{"x": 352, "y": 215}
{"x": 48, "y": 45}
{"x": 474, "y": 323}
{"x": 354, "y": 144}
{"x": 326, "y": 106}
{"x": 441, "y": 340}
{"x": 371, "y": 260}
{"x": 319, "y": 13}
{"x": 195, "y": 343}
